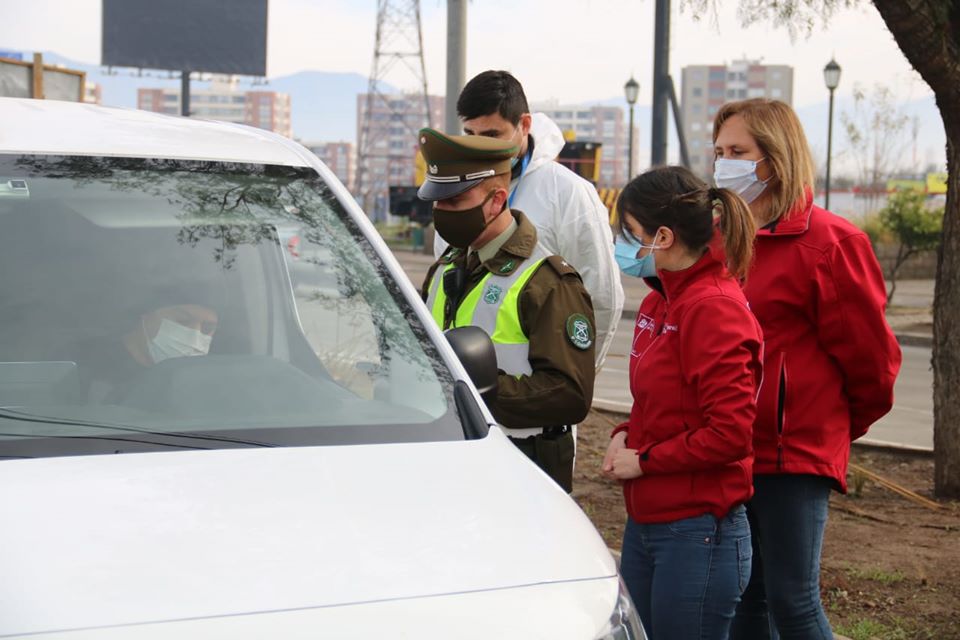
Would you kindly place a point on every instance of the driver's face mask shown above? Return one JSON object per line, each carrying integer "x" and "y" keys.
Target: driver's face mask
{"x": 173, "y": 340}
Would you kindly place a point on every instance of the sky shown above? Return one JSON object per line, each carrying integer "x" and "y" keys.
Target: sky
{"x": 571, "y": 51}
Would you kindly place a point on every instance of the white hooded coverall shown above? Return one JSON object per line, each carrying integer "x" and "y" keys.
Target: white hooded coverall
{"x": 572, "y": 223}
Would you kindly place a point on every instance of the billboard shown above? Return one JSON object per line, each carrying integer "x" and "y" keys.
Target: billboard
{"x": 213, "y": 36}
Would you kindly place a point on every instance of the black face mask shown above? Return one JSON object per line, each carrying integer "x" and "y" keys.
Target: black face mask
{"x": 460, "y": 228}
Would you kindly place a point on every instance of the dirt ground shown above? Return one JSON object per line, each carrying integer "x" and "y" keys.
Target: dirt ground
{"x": 891, "y": 567}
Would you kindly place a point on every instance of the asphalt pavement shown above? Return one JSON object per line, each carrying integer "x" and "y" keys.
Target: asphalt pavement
{"x": 909, "y": 424}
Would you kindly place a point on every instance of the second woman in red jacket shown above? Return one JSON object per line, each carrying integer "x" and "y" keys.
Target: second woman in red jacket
{"x": 684, "y": 456}
{"x": 830, "y": 364}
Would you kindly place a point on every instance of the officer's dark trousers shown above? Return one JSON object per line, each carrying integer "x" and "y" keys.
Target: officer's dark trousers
{"x": 553, "y": 453}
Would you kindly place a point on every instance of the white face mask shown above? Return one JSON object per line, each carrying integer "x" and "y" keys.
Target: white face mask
{"x": 740, "y": 176}
{"x": 173, "y": 340}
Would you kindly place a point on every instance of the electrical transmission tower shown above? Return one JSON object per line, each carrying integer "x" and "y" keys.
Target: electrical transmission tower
{"x": 388, "y": 124}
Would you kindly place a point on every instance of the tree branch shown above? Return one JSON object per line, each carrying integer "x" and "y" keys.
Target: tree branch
{"x": 926, "y": 32}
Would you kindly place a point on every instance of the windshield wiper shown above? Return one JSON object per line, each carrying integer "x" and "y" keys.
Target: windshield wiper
{"x": 108, "y": 438}
{"x": 13, "y": 414}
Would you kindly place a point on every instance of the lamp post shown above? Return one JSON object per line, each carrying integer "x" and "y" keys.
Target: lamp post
{"x": 831, "y": 76}
{"x": 631, "y": 89}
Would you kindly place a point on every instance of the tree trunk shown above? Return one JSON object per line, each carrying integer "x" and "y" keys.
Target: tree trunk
{"x": 946, "y": 314}
{"x": 928, "y": 33}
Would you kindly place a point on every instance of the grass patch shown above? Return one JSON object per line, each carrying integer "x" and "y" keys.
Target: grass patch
{"x": 876, "y": 574}
{"x": 867, "y": 629}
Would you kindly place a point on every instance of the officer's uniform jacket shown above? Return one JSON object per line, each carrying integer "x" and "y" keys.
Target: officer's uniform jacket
{"x": 541, "y": 319}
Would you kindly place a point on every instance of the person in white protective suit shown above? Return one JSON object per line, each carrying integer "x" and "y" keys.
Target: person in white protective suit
{"x": 571, "y": 220}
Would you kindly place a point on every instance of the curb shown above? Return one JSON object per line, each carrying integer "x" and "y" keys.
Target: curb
{"x": 611, "y": 406}
{"x": 915, "y": 340}
{"x": 870, "y": 443}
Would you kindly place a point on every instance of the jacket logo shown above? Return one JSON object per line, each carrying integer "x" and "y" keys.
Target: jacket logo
{"x": 434, "y": 169}
{"x": 492, "y": 294}
{"x": 670, "y": 327}
{"x": 645, "y": 323}
{"x": 507, "y": 266}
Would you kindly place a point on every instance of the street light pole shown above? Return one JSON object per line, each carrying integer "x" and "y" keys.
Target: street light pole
{"x": 631, "y": 90}
{"x": 831, "y": 77}
{"x": 456, "y": 61}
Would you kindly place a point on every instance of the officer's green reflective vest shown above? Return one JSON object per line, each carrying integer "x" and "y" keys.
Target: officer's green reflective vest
{"x": 494, "y": 306}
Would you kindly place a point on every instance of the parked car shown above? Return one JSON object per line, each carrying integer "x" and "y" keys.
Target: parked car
{"x": 197, "y": 441}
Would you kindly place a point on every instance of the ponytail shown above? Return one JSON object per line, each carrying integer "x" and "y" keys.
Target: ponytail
{"x": 738, "y": 228}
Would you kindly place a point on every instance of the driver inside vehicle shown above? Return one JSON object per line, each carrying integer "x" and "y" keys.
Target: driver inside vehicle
{"x": 178, "y": 330}
{"x": 175, "y": 331}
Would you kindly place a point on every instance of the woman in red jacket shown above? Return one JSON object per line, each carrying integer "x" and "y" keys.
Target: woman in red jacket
{"x": 684, "y": 456}
{"x": 830, "y": 360}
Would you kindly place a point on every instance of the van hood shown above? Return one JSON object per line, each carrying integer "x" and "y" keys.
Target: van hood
{"x": 101, "y": 541}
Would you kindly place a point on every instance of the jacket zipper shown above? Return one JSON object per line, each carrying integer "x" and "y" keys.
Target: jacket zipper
{"x": 781, "y": 411}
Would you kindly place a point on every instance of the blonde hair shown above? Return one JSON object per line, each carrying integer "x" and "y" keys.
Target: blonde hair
{"x": 778, "y": 132}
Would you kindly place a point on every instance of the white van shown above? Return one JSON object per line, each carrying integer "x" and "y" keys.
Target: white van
{"x": 199, "y": 441}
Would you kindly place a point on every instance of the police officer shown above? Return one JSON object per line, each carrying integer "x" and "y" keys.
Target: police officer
{"x": 496, "y": 276}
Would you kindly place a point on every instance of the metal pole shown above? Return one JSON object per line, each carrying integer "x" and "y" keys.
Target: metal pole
{"x": 678, "y": 121}
{"x": 661, "y": 62}
{"x": 456, "y": 61}
{"x": 630, "y": 148}
{"x": 185, "y": 93}
{"x": 826, "y": 197}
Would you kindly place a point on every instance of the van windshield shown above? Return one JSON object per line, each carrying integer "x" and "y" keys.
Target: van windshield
{"x": 155, "y": 305}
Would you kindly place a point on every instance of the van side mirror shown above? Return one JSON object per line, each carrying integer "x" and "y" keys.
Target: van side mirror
{"x": 475, "y": 351}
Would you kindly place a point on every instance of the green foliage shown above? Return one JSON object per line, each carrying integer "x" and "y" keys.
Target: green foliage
{"x": 799, "y": 17}
{"x": 878, "y": 233}
{"x": 916, "y": 227}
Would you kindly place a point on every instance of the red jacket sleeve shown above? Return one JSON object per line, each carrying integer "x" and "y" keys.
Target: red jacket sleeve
{"x": 853, "y": 329}
{"x": 721, "y": 358}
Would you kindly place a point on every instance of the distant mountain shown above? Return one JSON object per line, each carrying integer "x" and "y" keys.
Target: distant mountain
{"x": 324, "y": 108}
{"x": 323, "y": 104}
{"x": 930, "y": 144}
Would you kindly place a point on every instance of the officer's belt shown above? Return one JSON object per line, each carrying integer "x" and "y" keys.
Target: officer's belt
{"x": 532, "y": 432}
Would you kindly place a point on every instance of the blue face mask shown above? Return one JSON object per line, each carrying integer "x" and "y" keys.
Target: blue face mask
{"x": 626, "y": 256}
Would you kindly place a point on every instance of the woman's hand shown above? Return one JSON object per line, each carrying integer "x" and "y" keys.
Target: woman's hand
{"x": 617, "y": 442}
{"x": 625, "y": 465}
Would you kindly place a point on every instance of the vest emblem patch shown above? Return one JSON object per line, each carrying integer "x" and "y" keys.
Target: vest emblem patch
{"x": 492, "y": 294}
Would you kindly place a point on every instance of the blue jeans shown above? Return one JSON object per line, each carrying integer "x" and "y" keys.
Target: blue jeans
{"x": 788, "y": 514}
{"x": 686, "y": 577}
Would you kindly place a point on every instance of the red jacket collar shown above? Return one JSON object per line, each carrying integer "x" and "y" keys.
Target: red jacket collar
{"x": 672, "y": 284}
{"x": 796, "y": 221}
